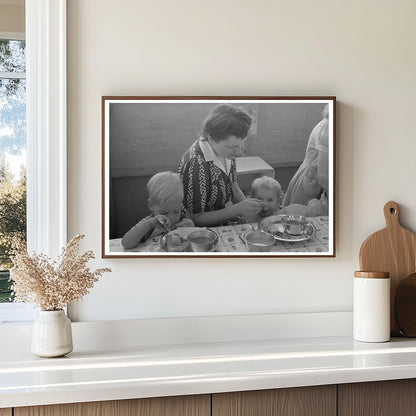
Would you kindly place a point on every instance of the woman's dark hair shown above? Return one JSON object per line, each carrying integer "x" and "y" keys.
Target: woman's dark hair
{"x": 225, "y": 120}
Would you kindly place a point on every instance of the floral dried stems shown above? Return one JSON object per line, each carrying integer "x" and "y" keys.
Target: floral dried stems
{"x": 52, "y": 285}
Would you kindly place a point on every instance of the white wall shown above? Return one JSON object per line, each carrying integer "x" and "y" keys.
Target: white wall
{"x": 360, "y": 51}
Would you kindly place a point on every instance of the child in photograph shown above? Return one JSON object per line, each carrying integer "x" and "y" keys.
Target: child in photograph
{"x": 312, "y": 175}
{"x": 269, "y": 192}
{"x": 165, "y": 201}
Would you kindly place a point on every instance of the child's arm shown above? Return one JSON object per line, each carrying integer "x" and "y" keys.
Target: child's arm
{"x": 317, "y": 207}
{"x": 139, "y": 232}
{"x": 293, "y": 209}
{"x": 185, "y": 222}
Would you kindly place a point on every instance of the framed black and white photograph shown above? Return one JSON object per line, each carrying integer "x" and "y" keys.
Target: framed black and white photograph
{"x": 218, "y": 176}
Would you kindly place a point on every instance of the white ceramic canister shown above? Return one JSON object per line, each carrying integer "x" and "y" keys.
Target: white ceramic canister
{"x": 371, "y": 309}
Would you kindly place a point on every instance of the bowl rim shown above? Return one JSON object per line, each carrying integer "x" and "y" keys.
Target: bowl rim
{"x": 211, "y": 234}
{"x": 269, "y": 235}
{"x": 299, "y": 218}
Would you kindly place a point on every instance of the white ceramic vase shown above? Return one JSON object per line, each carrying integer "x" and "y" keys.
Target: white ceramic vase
{"x": 52, "y": 334}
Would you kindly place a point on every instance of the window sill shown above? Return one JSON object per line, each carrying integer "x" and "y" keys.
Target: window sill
{"x": 16, "y": 313}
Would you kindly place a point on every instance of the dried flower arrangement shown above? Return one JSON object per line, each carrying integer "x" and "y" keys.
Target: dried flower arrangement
{"x": 52, "y": 285}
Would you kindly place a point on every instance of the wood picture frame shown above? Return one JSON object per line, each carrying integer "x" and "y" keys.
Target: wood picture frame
{"x": 289, "y": 142}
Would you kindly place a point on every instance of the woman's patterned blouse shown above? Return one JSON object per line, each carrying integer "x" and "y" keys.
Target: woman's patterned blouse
{"x": 206, "y": 186}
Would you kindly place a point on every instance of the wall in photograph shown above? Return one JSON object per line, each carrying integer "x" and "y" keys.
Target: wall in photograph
{"x": 265, "y": 47}
{"x": 138, "y": 129}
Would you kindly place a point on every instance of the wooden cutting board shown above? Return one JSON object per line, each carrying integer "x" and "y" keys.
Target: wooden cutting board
{"x": 405, "y": 306}
{"x": 393, "y": 250}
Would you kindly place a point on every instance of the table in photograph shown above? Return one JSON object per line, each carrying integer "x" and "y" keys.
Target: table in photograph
{"x": 231, "y": 240}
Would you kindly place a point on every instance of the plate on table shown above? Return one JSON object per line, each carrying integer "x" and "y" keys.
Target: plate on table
{"x": 176, "y": 241}
{"x": 273, "y": 225}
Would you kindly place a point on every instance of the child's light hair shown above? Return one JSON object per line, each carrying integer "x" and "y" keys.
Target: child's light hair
{"x": 163, "y": 187}
{"x": 266, "y": 182}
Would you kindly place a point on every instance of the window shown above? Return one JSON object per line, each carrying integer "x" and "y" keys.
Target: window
{"x": 12, "y": 154}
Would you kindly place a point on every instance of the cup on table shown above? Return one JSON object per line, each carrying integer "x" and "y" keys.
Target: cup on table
{"x": 294, "y": 224}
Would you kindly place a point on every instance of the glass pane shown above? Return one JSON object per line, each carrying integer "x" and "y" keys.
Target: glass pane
{"x": 12, "y": 176}
{"x": 12, "y": 55}
{"x": 12, "y": 118}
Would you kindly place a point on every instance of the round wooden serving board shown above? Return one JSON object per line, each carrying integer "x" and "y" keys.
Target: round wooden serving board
{"x": 405, "y": 306}
{"x": 393, "y": 250}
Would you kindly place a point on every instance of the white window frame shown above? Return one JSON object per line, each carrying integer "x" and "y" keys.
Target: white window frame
{"x": 12, "y": 35}
{"x": 46, "y": 134}
{"x": 46, "y": 125}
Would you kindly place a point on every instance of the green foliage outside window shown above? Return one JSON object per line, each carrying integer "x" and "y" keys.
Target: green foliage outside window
{"x": 12, "y": 224}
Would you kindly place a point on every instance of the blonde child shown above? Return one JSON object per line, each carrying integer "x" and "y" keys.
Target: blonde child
{"x": 165, "y": 201}
{"x": 269, "y": 192}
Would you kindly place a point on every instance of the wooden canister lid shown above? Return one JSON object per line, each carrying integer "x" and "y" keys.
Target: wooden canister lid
{"x": 372, "y": 275}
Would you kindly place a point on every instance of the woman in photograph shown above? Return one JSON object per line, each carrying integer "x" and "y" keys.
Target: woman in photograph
{"x": 311, "y": 179}
{"x": 208, "y": 169}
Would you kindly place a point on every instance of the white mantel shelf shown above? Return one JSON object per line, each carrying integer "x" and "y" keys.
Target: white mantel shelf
{"x": 151, "y": 371}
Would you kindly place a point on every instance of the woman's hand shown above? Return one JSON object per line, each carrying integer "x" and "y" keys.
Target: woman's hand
{"x": 248, "y": 207}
